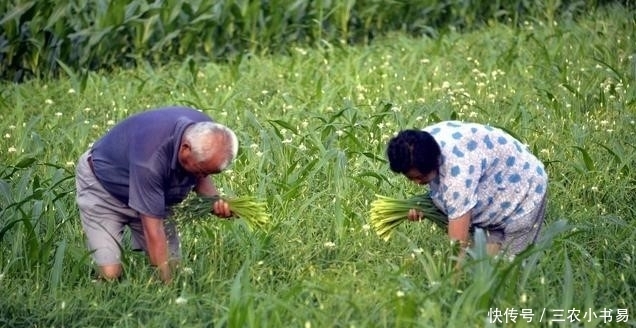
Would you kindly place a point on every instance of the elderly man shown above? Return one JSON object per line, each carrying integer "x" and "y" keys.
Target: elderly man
{"x": 480, "y": 177}
{"x": 134, "y": 173}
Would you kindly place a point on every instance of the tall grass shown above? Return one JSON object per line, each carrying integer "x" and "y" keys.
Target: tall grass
{"x": 40, "y": 38}
{"x": 313, "y": 126}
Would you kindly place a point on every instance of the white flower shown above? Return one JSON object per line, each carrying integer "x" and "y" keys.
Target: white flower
{"x": 418, "y": 250}
{"x": 58, "y": 114}
{"x": 366, "y": 227}
{"x": 181, "y": 300}
{"x": 7, "y": 136}
{"x": 330, "y": 244}
{"x": 188, "y": 270}
{"x": 399, "y": 293}
{"x": 110, "y": 122}
{"x": 11, "y": 150}
{"x": 71, "y": 91}
{"x": 48, "y": 102}
{"x": 70, "y": 163}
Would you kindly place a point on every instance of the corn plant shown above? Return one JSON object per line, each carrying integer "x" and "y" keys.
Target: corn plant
{"x": 40, "y": 38}
{"x": 34, "y": 211}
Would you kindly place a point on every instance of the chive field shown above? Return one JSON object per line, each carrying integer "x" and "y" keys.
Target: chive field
{"x": 313, "y": 125}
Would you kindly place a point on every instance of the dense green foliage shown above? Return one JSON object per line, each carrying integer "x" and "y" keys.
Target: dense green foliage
{"x": 43, "y": 38}
{"x": 313, "y": 125}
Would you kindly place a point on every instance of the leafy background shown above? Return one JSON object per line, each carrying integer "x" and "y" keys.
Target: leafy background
{"x": 313, "y": 115}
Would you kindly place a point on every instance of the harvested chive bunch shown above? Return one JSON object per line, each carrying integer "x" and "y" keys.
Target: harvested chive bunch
{"x": 248, "y": 208}
{"x": 387, "y": 213}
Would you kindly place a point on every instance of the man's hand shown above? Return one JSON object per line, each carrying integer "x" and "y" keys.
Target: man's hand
{"x": 415, "y": 215}
{"x": 221, "y": 209}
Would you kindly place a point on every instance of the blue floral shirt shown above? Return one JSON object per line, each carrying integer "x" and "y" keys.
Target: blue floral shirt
{"x": 485, "y": 170}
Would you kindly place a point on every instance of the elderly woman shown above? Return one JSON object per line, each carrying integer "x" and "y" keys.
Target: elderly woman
{"x": 480, "y": 177}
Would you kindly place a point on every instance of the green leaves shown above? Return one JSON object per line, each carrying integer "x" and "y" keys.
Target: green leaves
{"x": 587, "y": 159}
{"x": 96, "y": 34}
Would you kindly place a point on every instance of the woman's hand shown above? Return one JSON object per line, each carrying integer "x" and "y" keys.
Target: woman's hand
{"x": 221, "y": 209}
{"x": 415, "y": 215}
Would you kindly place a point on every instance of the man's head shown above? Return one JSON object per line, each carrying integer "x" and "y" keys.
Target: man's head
{"x": 207, "y": 148}
{"x": 415, "y": 154}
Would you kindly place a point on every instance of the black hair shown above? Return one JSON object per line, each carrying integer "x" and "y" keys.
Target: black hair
{"x": 413, "y": 149}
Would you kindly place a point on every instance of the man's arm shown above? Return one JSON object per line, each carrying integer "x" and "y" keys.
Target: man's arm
{"x": 157, "y": 245}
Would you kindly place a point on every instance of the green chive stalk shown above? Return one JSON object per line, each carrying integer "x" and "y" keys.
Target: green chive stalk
{"x": 248, "y": 208}
{"x": 387, "y": 213}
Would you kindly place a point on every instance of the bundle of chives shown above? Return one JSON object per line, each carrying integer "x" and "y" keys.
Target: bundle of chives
{"x": 248, "y": 208}
{"x": 387, "y": 213}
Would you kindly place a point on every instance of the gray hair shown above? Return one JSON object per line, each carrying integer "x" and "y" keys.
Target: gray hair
{"x": 201, "y": 136}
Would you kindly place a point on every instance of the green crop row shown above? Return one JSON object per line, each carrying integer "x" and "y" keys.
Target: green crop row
{"x": 42, "y": 38}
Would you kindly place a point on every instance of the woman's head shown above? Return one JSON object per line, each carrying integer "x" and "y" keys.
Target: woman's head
{"x": 415, "y": 154}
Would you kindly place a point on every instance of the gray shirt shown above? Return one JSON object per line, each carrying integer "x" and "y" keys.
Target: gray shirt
{"x": 137, "y": 162}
